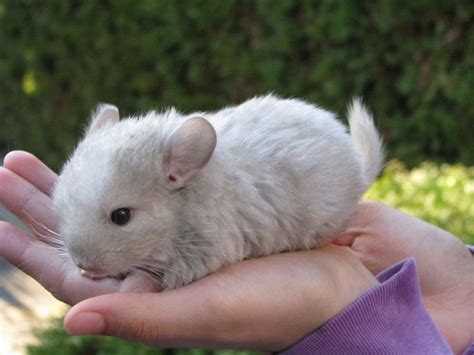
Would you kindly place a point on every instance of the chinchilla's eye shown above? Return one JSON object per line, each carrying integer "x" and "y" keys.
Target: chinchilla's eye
{"x": 120, "y": 216}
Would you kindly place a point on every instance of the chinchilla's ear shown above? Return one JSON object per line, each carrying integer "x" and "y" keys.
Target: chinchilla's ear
{"x": 189, "y": 149}
{"x": 103, "y": 115}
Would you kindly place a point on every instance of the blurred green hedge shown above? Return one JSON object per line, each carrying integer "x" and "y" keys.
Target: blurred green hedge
{"x": 52, "y": 339}
{"x": 441, "y": 195}
{"x": 413, "y": 61}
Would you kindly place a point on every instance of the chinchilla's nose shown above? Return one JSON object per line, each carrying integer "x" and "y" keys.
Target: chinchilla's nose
{"x": 85, "y": 256}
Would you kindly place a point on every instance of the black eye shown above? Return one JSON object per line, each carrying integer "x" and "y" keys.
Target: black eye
{"x": 120, "y": 216}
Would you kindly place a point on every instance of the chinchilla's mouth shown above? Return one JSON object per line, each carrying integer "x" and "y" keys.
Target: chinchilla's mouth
{"x": 98, "y": 276}
{"x": 93, "y": 275}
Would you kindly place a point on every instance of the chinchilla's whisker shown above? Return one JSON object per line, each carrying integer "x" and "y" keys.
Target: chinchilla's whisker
{"x": 44, "y": 233}
{"x": 159, "y": 265}
{"x": 154, "y": 272}
{"x": 41, "y": 225}
{"x": 47, "y": 238}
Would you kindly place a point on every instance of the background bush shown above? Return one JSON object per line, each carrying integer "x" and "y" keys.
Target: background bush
{"x": 412, "y": 61}
{"x": 442, "y": 195}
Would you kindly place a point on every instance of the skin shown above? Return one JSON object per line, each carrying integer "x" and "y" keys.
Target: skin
{"x": 380, "y": 236}
{"x": 217, "y": 311}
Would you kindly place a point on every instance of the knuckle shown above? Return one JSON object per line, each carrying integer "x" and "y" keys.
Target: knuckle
{"x": 138, "y": 330}
{"x": 141, "y": 330}
{"x": 141, "y": 324}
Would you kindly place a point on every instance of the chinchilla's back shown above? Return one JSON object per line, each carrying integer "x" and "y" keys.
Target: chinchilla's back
{"x": 296, "y": 163}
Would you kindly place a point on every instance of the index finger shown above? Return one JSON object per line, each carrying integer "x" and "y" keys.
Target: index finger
{"x": 33, "y": 170}
{"x": 28, "y": 203}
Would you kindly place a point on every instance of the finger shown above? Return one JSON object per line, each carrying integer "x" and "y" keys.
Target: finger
{"x": 345, "y": 239}
{"x": 168, "y": 319}
{"x": 36, "y": 259}
{"x": 30, "y": 168}
{"x": 27, "y": 202}
{"x": 358, "y": 226}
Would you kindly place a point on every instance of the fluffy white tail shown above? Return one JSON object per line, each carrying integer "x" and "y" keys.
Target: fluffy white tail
{"x": 366, "y": 139}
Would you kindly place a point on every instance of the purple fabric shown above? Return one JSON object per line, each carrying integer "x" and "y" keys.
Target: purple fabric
{"x": 469, "y": 350}
{"x": 388, "y": 319}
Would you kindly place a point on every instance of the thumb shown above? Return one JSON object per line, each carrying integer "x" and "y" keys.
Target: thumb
{"x": 360, "y": 225}
{"x": 166, "y": 319}
{"x": 344, "y": 239}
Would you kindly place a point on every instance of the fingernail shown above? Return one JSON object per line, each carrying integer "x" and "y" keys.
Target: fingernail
{"x": 86, "y": 324}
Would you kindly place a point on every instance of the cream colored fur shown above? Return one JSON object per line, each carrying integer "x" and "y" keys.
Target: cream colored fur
{"x": 284, "y": 175}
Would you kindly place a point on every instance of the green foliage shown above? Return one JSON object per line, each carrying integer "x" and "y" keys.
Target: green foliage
{"x": 412, "y": 60}
{"x": 442, "y": 195}
{"x": 54, "y": 340}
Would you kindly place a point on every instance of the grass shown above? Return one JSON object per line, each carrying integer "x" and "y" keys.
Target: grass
{"x": 442, "y": 195}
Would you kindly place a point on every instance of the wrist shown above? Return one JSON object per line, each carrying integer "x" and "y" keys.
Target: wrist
{"x": 350, "y": 279}
{"x": 389, "y": 318}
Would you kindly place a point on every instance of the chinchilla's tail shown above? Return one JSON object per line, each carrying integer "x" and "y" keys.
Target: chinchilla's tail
{"x": 366, "y": 139}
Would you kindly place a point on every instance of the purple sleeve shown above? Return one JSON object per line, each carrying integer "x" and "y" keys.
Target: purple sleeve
{"x": 388, "y": 319}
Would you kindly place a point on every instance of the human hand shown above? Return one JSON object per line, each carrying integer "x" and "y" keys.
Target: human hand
{"x": 381, "y": 236}
{"x": 267, "y": 303}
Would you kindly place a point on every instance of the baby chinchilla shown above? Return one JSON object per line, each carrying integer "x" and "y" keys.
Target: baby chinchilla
{"x": 178, "y": 196}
